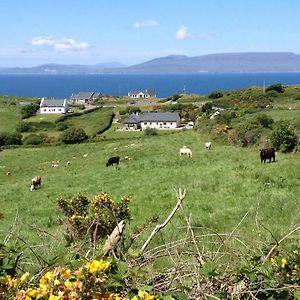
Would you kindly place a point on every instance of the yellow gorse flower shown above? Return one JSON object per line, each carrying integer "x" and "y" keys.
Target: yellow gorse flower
{"x": 145, "y": 295}
{"x": 97, "y": 265}
{"x": 24, "y": 276}
{"x": 283, "y": 262}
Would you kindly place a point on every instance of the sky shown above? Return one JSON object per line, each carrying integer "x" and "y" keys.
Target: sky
{"x": 34, "y": 32}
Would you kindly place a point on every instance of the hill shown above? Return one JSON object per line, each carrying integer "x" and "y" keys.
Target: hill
{"x": 216, "y": 63}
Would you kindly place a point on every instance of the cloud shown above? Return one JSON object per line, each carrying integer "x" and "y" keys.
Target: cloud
{"x": 59, "y": 44}
{"x": 147, "y": 23}
{"x": 183, "y": 33}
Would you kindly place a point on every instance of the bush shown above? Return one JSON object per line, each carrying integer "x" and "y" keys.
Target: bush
{"x": 83, "y": 214}
{"x": 10, "y": 139}
{"x": 151, "y": 131}
{"x": 23, "y": 127}
{"x": 248, "y": 133}
{"x": 33, "y": 139}
{"x": 215, "y": 95}
{"x": 283, "y": 137}
{"x": 29, "y": 110}
{"x": 61, "y": 126}
{"x": 206, "y": 107}
{"x": 277, "y": 87}
{"x": 265, "y": 121}
{"x": 73, "y": 136}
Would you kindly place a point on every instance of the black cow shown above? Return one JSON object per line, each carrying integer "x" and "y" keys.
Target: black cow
{"x": 113, "y": 160}
{"x": 267, "y": 154}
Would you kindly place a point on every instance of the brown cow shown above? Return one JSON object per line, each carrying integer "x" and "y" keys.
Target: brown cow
{"x": 35, "y": 183}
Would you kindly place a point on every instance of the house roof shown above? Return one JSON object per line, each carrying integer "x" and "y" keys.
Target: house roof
{"x": 83, "y": 95}
{"x": 53, "y": 103}
{"x": 159, "y": 117}
{"x": 133, "y": 119}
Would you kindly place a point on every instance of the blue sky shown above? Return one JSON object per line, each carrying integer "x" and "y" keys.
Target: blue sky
{"x": 34, "y": 32}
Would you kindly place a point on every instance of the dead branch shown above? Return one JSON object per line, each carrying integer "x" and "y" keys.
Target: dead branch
{"x": 114, "y": 238}
{"x": 180, "y": 197}
{"x": 279, "y": 242}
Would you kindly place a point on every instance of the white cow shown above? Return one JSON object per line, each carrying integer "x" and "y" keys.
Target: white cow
{"x": 207, "y": 145}
{"x": 186, "y": 151}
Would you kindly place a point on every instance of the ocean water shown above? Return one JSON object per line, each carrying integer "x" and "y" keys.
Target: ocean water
{"x": 63, "y": 86}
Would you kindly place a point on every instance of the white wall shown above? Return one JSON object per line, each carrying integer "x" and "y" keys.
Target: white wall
{"x": 53, "y": 110}
{"x": 160, "y": 125}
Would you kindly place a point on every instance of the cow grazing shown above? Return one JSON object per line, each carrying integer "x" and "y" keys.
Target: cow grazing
{"x": 35, "y": 183}
{"x": 207, "y": 145}
{"x": 113, "y": 160}
{"x": 185, "y": 150}
{"x": 267, "y": 154}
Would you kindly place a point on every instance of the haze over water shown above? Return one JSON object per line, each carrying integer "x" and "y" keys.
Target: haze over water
{"x": 62, "y": 86}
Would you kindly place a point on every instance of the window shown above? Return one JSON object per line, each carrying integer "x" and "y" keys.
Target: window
{"x": 145, "y": 123}
{"x": 59, "y": 109}
{"x": 165, "y": 123}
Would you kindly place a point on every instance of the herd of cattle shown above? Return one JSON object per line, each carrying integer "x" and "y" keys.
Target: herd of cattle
{"x": 265, "y": 154}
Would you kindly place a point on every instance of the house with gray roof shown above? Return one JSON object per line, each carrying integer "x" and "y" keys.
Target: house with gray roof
{"x": 53, "y": 106}
{"x": 157, "y": 120}
{"x": 84, "y": 97}
{"x": 141, "y": 94}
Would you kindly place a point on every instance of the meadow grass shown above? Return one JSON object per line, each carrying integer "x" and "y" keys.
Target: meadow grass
{"x": 9, "y": 118}
{"x": 222, "y": 185}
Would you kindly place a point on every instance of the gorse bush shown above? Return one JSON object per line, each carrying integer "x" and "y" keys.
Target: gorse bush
{"x": 265, "y": 121}
{"x": 33, "y": 139}
{"x": 277, "y": 87}
{"x": 97, "y": 216}
{"x": 215, "y": 95}
{"x": 151, "y": 131}
{"x": 29, "y": 110}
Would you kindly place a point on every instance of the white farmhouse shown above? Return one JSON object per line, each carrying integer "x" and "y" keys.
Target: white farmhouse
{"x": 141, "y": 94}
{"x": 53, "y": 106}
{"x": 157, "y": 120}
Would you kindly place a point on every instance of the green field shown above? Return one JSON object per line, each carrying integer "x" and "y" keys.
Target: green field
{"x": 222, "y": 184}
{"x": 9, "y": 118}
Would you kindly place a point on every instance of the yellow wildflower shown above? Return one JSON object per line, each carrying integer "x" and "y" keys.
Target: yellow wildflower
{"x": 68, "y": 283}
{"x": 52, "y": 297}
{"x": 66, "y": 273}
{"x": 272, "y": 260}
{"x": 97, "y": 265}
{"x": 24, "y": 276}
{"x": 283, "y": 263}
{"x": 31, "y": 293}
{"x": 56, "y": 282}
{"x": 144, "y": 295}
{"x": 134, "y": 298}
{"x": 28, "y": 298}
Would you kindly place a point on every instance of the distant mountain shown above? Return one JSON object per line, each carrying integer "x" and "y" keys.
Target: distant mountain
{"x": 63, "y": 69}
{"x": 220, "y": 63}
{"x": 215, "y": 63}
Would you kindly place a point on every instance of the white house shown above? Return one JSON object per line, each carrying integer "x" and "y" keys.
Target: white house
{"x": 141, "y": 94}
{"x": 84, "y": 97}
{"x": 158, "y": 120}
{"x": 53, "y": 106}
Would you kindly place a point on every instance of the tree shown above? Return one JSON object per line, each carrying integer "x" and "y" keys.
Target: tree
{"x": 283, "y": 137}
{"x": 277, "y": 87}
{"x": 73, "y": 136}
{"x": 215, "y": 95}
{"x": 29, "y": 110}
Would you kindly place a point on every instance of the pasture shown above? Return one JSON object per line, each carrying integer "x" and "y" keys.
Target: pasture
{"x": 223, "y": 185}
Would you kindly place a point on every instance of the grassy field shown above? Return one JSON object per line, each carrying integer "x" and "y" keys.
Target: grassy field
{"x": 9, "y": 118}
{"x": 222, "y": 185}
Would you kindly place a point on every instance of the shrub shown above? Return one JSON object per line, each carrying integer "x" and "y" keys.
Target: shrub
{"x": 33, "y": 139}
{"x": 151, "y": 131}
{"x": 100, "y": 214}
{"x": 206, "y": 107}
{"x": 215, "y": 95}
{"x": 265, "y": 121}
{"x": 23, "y": 127}
{"x": 277, "y": 87}
{"x": 29, "y": 110}
{"x": 248, "y": 133}
{"x": 73, "y": 136}
{"x": 10, "y": 139}
{"x": 133, "y": 109}
{"x": 61, "y": 126}
{"x": 283, "y": 137}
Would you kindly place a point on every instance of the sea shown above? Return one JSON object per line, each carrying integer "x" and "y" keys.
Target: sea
{"x": 164, "y": 85}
